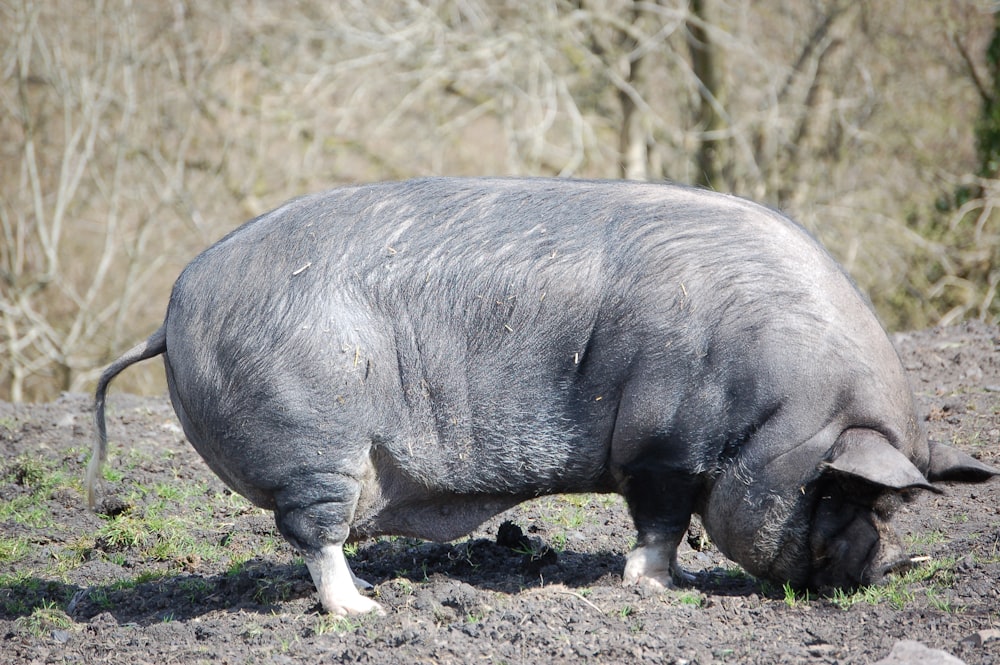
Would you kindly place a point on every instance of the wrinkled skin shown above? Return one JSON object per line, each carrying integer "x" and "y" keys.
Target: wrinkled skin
{"x": 413, "y": 358}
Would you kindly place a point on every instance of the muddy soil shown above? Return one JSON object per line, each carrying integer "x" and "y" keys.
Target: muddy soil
{"x": 178, "y": 570}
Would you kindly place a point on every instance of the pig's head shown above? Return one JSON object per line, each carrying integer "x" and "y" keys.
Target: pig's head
{"x": 820, "y": 519}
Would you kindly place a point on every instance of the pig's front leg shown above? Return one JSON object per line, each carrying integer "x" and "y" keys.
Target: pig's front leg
{"x": 655, "y": 564}
{"x": 661, "y": 502}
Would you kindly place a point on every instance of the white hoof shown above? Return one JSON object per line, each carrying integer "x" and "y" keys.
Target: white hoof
{"x": 336, "y": 584}
{"x": 654, "y": 566}
{"x": 357, "y": 605}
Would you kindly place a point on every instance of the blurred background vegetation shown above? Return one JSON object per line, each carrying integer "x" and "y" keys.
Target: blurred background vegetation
{"x": 133, "y": 134}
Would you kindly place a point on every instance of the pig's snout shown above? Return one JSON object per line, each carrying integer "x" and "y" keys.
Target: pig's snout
{"x": 861, "y": 552}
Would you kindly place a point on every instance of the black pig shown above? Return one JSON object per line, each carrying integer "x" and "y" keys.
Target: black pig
{"x": 413, "y": 358}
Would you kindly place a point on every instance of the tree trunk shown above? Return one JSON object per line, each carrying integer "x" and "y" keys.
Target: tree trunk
{"x": 705, "y": 62}
{"x": 632, "y": 144}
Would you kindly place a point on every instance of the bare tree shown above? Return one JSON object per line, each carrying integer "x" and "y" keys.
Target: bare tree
{"x": 50, "y": 307}
{"x": 88, "y": 188}
{"x": 133, "y": 134}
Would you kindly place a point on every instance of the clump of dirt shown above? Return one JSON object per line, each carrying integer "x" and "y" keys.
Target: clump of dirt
{"x": 175, "y": 568}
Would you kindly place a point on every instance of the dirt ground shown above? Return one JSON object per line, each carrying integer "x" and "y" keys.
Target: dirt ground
{"x": 178, "y": 570}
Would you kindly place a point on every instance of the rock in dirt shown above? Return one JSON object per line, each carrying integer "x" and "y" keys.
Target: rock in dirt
{"x": 910, "y": 652}
{"x": 980, "y": 637}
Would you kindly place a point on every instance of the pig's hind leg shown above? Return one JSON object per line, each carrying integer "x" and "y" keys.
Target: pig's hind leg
{"x": 316, "y": 522}
{"x": 336, "y": 584}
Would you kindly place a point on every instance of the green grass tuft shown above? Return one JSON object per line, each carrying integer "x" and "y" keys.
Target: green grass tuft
{"x": 43, "y": 620}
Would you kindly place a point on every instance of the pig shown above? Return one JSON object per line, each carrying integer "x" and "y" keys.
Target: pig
{"x": 414, "y": 358}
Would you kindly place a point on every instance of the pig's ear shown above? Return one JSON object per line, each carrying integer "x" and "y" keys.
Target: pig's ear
{"x": 949, "y": 463}
{"x": 866, "y": 454}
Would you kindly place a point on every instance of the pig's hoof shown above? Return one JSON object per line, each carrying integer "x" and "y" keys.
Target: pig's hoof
{"x": 654, "y": 581}
{"x": 683, "y": 575}
{"x": 336, "y": 584}
{"x": 355, "y": 605}
{"x": 651, "y": 566}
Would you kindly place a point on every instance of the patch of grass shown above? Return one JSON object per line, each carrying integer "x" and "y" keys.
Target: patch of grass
{"x": 168, "y": 491}
{"x": 691, "y": 598}
{"x": 39, "y": 479}
{"x": 269, "y": 591}
{"x": 237, "y": 564}
{"x": 13, "y": 549}
{"x": 533, "y": 549}
{"x": 933, "y": 576}
{"x": 227, "y": 502}
{"x": 942, "y": 571}
{"x": 15, "y": 579}
{"x": 156, "y": 531}
{"x": 628, "y": 614}
{"x": 794, "y": 598}
{"x": 843, "y": 599}
{"x": 17, "y": 587}
{"x": 563, "y": 513}
{"x": 179, "y": 549}
{"x": 737, "y": 573}
{"x": 575, "y": 518}
{"x": 571, "y": 510}
{"x": 330, "y": 623}
{"x": 124, "y": 531}
{"x": 194, "y": 587}
{"x": 111, "y": 474}
{"x": 171, "y": 528}
{"x": 926, "y": 538}
{"x": 577, "y": 509}
{"x": 461, "y": 553}
{"x": 286, "y": 644}
{"x": 871, "y": 595}
{"x": 939, "y": 602}
{"x": 144, "y": 577}
{"x": 100, "y": 597}
{"x": 609, "y": 501}
{"x": 24, "y": 599}
{"x": 28, "y": 471}
{"x": 175, "y": 542}
{"x": 117, "y": 558}
{"x": 43, "y": 620}
{"x": 899, "y": 597}
{"x": 136, "y": 456}
{"x": 9, "y": 423}
{"x": 27, "y": 511}
{"x": 68, "y": 558}
{"x": 110, "y": 471}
